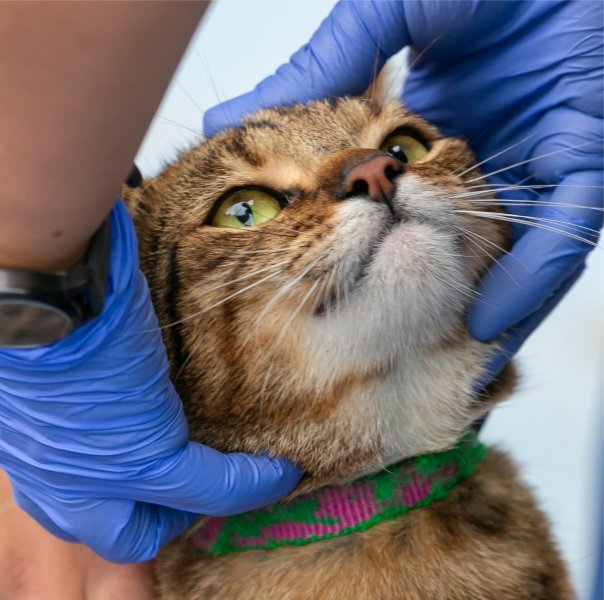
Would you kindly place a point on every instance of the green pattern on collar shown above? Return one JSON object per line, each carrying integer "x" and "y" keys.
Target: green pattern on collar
{"x": 334, "y": 511}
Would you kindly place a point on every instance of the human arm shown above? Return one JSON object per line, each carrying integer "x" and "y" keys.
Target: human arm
{"x": 79, "y": 90}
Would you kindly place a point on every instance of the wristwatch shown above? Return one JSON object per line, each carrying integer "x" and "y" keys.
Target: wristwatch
{"x": 38, "y": 308}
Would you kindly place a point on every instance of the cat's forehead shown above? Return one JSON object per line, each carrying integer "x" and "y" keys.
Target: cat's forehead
{"x": 307, "y": 133}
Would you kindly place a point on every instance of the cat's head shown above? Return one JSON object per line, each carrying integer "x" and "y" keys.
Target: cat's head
{"x": 312, "y": 270}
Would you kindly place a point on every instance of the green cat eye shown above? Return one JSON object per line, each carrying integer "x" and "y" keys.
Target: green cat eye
{"x": 404, "y": 146}
{"x": 246, "y": 208}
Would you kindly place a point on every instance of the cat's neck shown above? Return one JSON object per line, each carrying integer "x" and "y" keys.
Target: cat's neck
{"x": 335, "y": 511}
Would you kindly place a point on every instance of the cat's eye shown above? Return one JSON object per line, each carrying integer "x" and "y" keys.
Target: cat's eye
{"x": 246, "y": 207}
{"x": 404, "y": 146}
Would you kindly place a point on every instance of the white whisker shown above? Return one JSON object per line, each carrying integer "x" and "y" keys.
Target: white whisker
{"x": 216, "y": 304}
{"x": 500, "y": 187}
{"x": 287, "y": 287}
{"x": 482, "y": 162}
{"x": 328, "y": 288}
{"x": 193, "y": 101}
{"x": 473, "y": 234}
{"x": 511, "y": 202}
{"x": 529, "y": 160}
{"x": 591, "y": 231}
{"x": 177, "y": 124}
{"x": 470, "y": 196}
{"x": 246, "y": 276}
{"x": 296, "y": 311}
{"x": 524, "y": 221}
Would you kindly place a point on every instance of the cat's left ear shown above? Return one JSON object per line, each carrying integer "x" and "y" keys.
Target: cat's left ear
{"x": 389, "y": 81}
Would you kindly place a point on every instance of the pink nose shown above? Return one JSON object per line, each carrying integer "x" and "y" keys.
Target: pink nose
{"x": 372, "y": 178}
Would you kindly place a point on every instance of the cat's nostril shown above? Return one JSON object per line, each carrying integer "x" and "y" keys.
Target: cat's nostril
{"x": 391, "y": 172}
{"x": 374, "y": 178}
{"x": 359, "y": 188}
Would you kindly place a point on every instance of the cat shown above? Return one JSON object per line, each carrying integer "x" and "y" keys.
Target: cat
{"x": 311, "y": 270}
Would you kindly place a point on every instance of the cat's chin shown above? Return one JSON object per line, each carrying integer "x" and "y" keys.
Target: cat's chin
{"x": 400, "y": 282}
{"x": 411, "y": 294}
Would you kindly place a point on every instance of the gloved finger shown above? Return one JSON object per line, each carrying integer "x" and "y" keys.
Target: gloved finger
{"x": 202, "y": 480}
{"x": 541, "y": 260}
{"x": 38, "y": 515}
{"x": 342, "y": 57}
{"x": 571, "y": 153}
{"x": 513, "y": 339}
{"x": 512, "y": 290}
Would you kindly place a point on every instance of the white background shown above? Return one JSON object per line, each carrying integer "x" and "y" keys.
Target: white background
{"x": 553, "y": 424}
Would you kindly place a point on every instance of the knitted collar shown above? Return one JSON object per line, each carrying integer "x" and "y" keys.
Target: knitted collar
{"x": 338, "y": 510}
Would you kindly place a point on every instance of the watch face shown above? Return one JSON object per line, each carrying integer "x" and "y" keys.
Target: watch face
{"x": 27, "y": 324}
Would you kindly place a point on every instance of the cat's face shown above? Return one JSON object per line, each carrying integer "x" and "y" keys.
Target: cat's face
{"x": 317, "y": 272}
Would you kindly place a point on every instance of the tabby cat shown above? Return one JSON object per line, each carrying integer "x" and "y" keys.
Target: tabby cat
{"x": 311, "y": 270}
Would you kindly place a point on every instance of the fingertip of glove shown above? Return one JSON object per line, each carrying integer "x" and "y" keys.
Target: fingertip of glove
{"x": 255, "y": 481}
{"x": 288, "y": 474}
{"x": 227, "y": 114}
{"x": 482, "y": 327}
{"x": 275, "y": 474}
{"x": 213, "y": 122}
{"x": 282, "y": 481}
{"x": 482, "y": 321}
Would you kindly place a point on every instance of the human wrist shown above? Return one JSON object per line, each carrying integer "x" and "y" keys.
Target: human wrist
{"x": 125, "y": 294}
{"x": 20, "y": 256}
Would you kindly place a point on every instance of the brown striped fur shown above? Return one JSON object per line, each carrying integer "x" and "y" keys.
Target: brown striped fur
{"x": 388, "y": 374}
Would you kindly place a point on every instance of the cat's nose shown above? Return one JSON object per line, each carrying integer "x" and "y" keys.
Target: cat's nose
{"x": 372, "y": 177}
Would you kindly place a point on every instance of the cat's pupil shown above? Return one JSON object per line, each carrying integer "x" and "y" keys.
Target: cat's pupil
{"x": 242, "y": 211}
{"x": 397, "y": 152}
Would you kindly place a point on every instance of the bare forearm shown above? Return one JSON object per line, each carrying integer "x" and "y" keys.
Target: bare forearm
{"x": 80, "y": 83}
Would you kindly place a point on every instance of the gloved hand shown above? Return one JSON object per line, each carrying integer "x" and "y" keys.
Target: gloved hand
{"x": 522, "y": 82}
{"x": 93, "y": 435}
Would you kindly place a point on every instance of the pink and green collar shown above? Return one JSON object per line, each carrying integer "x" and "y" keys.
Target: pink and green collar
{"x": 338, "y": 510}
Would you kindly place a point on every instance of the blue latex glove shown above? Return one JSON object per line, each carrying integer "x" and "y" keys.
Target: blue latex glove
{"x": 93, "y": 435}
{"x": 523, "y": 79}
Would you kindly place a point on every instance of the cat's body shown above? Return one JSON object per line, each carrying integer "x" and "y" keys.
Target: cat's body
{"x": 312, "y": 270}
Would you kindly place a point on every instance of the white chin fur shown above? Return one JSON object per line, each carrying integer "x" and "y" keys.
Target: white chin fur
{"x": 412, "y": 291}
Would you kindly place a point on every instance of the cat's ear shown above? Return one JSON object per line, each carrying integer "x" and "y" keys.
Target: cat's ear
{"x": 389, "y": 81}
{"x": 131, "y": 190}
{"x": 135, "y": 177}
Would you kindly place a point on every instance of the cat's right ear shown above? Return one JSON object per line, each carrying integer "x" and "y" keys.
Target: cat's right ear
{"x": 135, "y": 178}
{"x": 131, "y": 190}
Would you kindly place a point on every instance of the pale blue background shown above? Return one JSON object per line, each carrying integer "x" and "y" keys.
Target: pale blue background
{"x": 553, "y": 423}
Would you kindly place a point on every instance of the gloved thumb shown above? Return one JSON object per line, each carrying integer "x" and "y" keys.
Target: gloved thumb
{"x": 203, "y": 480}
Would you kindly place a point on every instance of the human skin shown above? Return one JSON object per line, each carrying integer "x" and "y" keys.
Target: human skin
{"x": 34, "y": 565}
{"x": 78, "y": 93}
